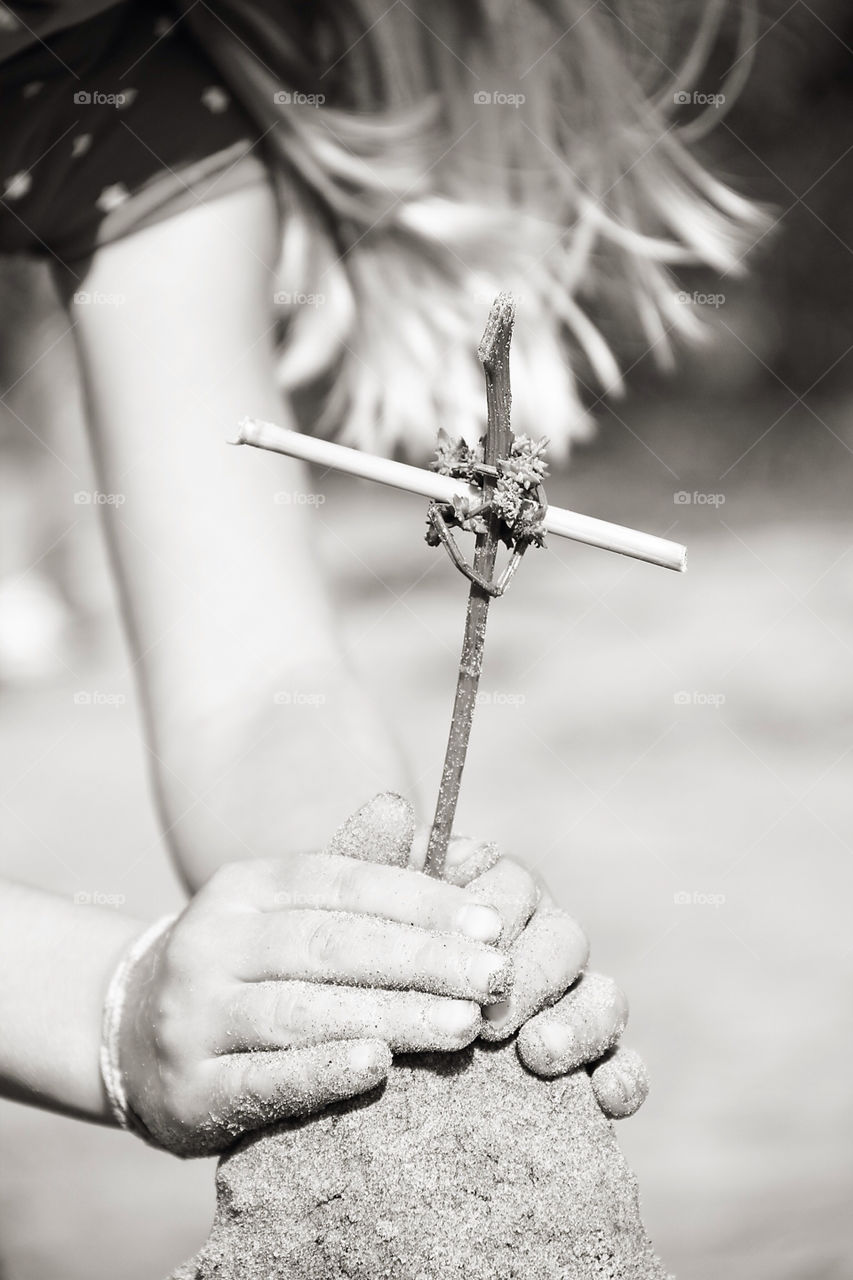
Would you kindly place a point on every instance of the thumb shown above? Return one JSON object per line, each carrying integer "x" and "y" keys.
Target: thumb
{"x": 258, "y": 1089}
{"x": 380, "y": 831}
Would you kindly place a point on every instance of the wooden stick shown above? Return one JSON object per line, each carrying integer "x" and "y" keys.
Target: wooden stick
{"x": 429, "y": 484}
{"x": 494, "y": 357}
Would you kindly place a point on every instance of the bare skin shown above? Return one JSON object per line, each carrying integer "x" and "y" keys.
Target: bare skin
{"x": 224, "y": 608}
{"x": 286, "y": 984}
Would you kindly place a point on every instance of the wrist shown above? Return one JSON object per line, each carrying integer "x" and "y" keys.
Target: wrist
{"x": 62, "y": 956}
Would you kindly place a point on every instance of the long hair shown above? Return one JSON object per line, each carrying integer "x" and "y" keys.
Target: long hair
{"x": 430, "y": 154}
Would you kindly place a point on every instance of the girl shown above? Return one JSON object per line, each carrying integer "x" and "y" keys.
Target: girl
{"x": 300, "y": 213}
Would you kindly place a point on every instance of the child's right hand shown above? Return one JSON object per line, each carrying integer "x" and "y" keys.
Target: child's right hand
{"x": 338, "y": 961}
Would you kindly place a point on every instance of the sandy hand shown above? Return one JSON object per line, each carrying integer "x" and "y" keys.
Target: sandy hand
{"x": 566, "y": 1017}
{"x": 286, "y": 983}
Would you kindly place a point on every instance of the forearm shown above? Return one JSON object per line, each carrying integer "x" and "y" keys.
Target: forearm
{"x": 221, "y": 589}
{"x": 56, "y": 961}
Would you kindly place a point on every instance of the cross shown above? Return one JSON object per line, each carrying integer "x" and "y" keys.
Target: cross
{"x": 497, "y": 496}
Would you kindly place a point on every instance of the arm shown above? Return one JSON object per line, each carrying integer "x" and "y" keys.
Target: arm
{"x": 220, "y": 591}
{"x": 56, "y": 960}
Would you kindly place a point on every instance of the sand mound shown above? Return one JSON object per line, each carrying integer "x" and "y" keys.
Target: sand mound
{"x": 462, "y": 1165}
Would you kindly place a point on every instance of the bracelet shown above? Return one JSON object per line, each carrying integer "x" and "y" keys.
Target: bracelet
{"x": 114, "y": 1002}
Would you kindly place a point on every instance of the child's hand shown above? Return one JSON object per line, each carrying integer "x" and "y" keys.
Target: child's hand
{"x": 284, "y": 983}
{"x": 566, "y": 1018}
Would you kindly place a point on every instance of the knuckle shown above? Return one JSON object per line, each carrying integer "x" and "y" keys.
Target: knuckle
{"x": 620, "y": 1007}
{"x": 290, "y": 1006}
{"x": 618, "y": 1003}
{"x": 204, "y": 942}
{"x": 510, "y": 888}
{"x": 233, "y": 880}
{"x": 575, "y": 943}
{"x": 429, "y": 959}
{"x": 346, "y": 877}
{"x": 240, "y": 1082}
{"x": 631, "y": 1067}
{"x": 323, "y": 941}
{"x": 522, "y": 882}
{"x": 302, "y": 1077}
{"x": 175, "y": 1033}
{"x": 186, "y": 947}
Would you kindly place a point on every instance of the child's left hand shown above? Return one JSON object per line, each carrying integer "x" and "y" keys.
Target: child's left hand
{"x": 566, "y": 1018}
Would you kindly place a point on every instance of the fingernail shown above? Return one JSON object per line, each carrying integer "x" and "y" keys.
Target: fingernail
{"x": 370, "y": 1057}
{"x": 481, "y": 857}
{"x": 453, "y": 1016}
{"x": 555, "y": 1040}
{"x": 460, "y": 848}
{"x": 497, "y": 1012}
{"x": 489, "y": 974}
{"x": 481, "y": 923}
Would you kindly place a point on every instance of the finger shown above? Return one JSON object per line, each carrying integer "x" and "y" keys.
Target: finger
{"x": 270, "y": 1015}
{"x": 546, "y": 959}
{"x": 334, "y": 883}
{"x": 256, "y": 1089}
{"x": 620, "y": 1083}
{"x": 466, "y": 857}
{"x": 579, "y": 1028}
{"x": 512, "y": 891}
{"x": 418, "y": 851}
{"x": 360, "y": 950}
{"x": 380, "y": 831}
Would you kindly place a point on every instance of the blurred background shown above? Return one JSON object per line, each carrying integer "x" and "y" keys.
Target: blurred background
{"x": 674, "y": 754}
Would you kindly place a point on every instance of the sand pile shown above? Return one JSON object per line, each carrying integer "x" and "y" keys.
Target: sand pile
{"x": 461, "y": 1165}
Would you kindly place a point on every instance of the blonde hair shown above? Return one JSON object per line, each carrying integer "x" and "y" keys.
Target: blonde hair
{"x": 430, "y": 155}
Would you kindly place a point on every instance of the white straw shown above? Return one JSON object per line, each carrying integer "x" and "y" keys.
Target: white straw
{"x": 430, "y": 484}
